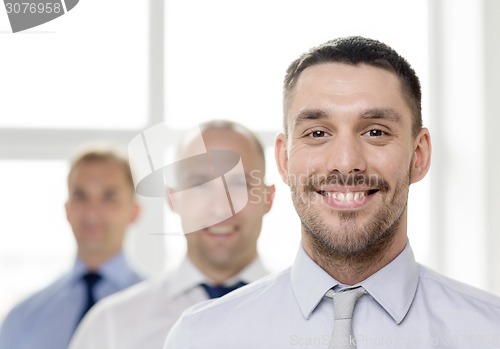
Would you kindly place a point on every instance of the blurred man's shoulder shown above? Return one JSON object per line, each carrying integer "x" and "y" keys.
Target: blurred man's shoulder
{"x": 144, "y": 291}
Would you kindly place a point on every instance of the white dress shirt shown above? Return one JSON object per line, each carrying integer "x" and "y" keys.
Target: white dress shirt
{"x": 141, "y": 316}
{"x": 407, "y": 306}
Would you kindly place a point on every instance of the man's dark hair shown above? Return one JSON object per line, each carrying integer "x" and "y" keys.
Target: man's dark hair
{"x": 101, "y": 153}
{"x": 356, "y": 50}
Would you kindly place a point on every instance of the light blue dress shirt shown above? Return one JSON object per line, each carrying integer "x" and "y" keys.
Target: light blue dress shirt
{"x": 406, "y": 306}
{"x": 47, "y": 319}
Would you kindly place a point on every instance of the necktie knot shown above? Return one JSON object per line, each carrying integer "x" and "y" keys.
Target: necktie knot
{"x": 344, "y": 301}
{"x": 219, "y": 291}
{"x": 91, "y": 279}
{"x": 343, "y": 307}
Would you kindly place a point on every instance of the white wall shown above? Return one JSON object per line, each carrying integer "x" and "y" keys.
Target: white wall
{"x": 464, "y": 105}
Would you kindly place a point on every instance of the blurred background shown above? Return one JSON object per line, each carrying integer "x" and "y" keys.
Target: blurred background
{"x": 109, "y": 69}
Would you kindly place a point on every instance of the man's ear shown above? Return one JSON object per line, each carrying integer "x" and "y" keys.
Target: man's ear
{"x": 66, "y": 210}
{"x": 421, "y": 156}
{"x": 269, "y": 197}
{"x": 281, "y": 156}
{"x": 134, "y": 214}
{"x": 169, "y": 197}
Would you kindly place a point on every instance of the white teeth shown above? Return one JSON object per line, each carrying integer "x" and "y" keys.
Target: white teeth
{"x": 220, "y": 230}
{"x": 350, "y": 196}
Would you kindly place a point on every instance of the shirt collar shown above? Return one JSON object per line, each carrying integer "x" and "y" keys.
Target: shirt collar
{"x": 393, "y": 287}
{"x": 252, "y": 272}
{"x": 115, "y": 271}
{"x": 309, "y": 282}
{"x": 188, "y": 276}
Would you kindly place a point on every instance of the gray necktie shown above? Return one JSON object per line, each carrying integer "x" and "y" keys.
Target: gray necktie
{"x": 343, "y": 306}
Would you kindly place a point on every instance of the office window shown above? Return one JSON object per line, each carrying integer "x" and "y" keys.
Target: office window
{"x": 37, "y": 243}
{"x": 86, "y": 69}
{"x": 228, "y": 59}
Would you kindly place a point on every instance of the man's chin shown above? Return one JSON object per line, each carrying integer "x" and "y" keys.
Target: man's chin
{"x": 93, "y": 248}
{"x": 221, "y": 261}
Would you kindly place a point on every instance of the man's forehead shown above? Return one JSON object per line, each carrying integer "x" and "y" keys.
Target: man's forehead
{"x": 339, "y": 85}
{"x": 213, "y": 138}
{"x": 212, "y": 164}
{"x": 219, "y": 139}
{"x": 102, "y": 172}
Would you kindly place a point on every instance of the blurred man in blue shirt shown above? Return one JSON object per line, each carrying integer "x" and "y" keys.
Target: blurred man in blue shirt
{"x": 101, "y": 205}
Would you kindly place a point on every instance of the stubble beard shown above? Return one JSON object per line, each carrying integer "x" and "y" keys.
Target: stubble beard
{"x": 351, "y": 245}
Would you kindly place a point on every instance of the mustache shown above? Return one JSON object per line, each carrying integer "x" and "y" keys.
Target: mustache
{"x": 351, "y": 180}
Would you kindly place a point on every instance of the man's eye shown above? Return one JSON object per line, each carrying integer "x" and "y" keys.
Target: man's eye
{"x": 78, "y": 196}
{"x": 375, "y": 133}
{"x": 318, "y": 134}
{"x": 196, "y": 182}
{"x": 110, "y": 197}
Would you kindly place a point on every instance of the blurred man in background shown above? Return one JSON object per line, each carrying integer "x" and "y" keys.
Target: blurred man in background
{"x": 101, "y": 205}
{"x": 221, "y": 252}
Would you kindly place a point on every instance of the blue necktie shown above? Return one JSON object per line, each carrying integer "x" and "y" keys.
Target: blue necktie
{"x": 219, "y": 291}
{"x": 90, "y": 280}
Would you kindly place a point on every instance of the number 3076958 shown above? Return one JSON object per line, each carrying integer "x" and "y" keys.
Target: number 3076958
{"x": 31, "y": 7}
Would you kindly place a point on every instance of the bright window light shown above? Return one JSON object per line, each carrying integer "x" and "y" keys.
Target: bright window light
{"x": 36, "y": 243}
{"x": 227, "y": 59}
{"x": 85, "y": 69}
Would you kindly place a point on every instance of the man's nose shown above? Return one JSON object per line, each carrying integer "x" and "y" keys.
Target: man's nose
{"x": 345, "y": 154}
{"x": 93, "y": 208}
{"x": 219, "y": 203}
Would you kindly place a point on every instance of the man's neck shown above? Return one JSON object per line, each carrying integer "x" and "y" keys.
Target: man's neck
{"x": 219, "y": 274}
{"x": 94, "y": 261}
{"x": 350, "y": 270}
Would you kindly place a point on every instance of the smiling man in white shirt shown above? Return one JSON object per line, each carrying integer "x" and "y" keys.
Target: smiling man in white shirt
{"x": 221, "y": 252}
{"x": 352, "y": 145}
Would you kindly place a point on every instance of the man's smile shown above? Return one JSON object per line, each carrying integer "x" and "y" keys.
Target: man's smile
{"x": 346, "y": 198}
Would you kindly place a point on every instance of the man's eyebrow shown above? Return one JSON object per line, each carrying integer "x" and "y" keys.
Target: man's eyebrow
{"x": 374, "y": 113}
{"x": 382, "y": 113}
{"x": 310, "y": 114}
